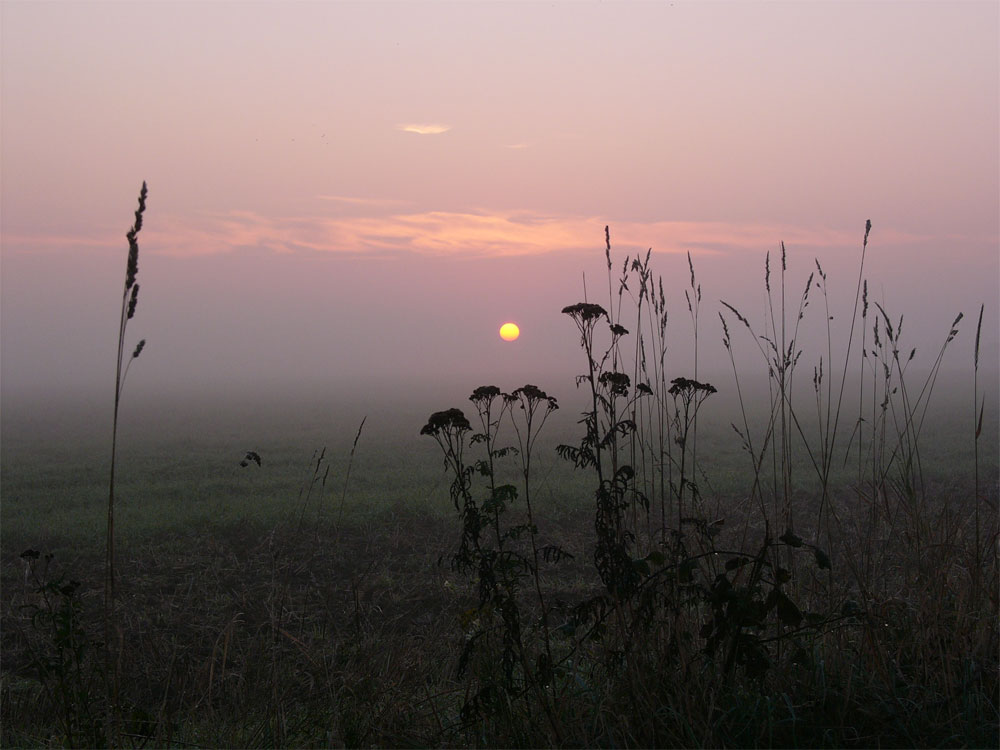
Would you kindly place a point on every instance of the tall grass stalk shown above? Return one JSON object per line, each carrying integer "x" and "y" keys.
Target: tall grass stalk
{"x": 978, "y": 423}
{"x": 347, "y": 476}
{"x": 130, "y": 296}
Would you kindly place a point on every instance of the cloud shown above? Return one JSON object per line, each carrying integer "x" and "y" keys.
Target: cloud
{"x": 424, "y": 129}
{"x": 378, "y": 228}
{"x": 516, "y": 145}
{"x": 479, "y": 233}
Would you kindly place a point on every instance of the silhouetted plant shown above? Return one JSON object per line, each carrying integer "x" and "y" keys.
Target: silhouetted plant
{"x": 663, "y": 593}
{"x": 130, "y": 298}
{"x": 62, "y": 654}
{"x": 606, "y": 424}
{"x": 250, "y": 457}
{"x": 688, "y": 396}
{"x": 491, "y": 549}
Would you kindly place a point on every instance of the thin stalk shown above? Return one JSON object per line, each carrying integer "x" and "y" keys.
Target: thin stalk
{"x": 347, "y": 478}
{"x": 128, "y": 307}
{"x": 978, "y": 426}
{"x": 847, "y": 359}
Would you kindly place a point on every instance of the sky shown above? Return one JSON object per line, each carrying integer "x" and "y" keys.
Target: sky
{"x": 361, "y": 193}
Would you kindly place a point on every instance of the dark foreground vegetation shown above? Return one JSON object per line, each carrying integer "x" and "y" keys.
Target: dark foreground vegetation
{"x": 844, "y": 597}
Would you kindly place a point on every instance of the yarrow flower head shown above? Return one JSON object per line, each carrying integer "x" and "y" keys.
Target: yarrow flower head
{"x": 484, "y": 394}
{"x": 584, "y": 312}
{"x": 446, "y": 421}
{"x": 532, "y": 394}
{"x": 690, "y": 387}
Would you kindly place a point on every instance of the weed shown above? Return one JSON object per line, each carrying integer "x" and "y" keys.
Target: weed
{"x": 510, "y": 659}
{"x": 61, "y": 653}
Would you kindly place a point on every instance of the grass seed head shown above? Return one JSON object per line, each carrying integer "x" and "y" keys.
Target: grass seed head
{"x": 132, "y": 301}
{"x": 132, "y": 268}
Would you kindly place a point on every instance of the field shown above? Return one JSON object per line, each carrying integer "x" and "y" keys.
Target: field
{"x": 641, "y": 558}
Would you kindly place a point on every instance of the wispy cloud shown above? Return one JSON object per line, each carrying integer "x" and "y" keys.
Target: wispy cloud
{"x": 482, "y": 233}
{"x": 424, "y": 128}
{"x": 381, "y": 230}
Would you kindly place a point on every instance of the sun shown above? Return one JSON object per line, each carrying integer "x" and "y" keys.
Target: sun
{"x": 509, "y": 331}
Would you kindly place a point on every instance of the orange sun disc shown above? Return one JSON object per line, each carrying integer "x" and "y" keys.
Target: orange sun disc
{"x": 509, "y": 331}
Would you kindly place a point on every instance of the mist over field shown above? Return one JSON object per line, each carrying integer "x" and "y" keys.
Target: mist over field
{"x": 275, "y": 323}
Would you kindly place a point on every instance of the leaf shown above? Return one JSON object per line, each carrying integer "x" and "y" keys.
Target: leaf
{"x": 251, "y": 456}
{"x": 566, "y": 630}
{"x": 822, "y": 559}
{"x": 802, "y": 657}
{"x": 850, "y": 608}
{"x": 790, "y": 539}
{"x": 656, "y": 558}
{"x": 685, "y": 573}
{"x": 788, "y": 613}
{"x": 736, "y": 562}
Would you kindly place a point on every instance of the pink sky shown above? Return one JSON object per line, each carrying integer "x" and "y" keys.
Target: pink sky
{"x": 352, "y": 188}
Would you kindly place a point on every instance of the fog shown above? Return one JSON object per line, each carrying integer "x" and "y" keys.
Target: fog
{"x": 269, "y": 341}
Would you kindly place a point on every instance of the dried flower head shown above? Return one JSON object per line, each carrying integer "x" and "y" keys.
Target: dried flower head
{"x": 532, "y": 394}
{"x": 484, "y": 394}
{"x": 616, "y": 382}
{"x": 446, "y": 421}
{"x": 687, "y": 386}
{"x": 584, "y": 312}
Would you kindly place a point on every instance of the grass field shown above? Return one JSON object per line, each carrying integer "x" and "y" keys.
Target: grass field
{"x": 257, "y": 615}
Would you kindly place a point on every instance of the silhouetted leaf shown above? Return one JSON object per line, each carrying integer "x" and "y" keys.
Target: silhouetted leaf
{"x": 850, "y": 608}
{"x": 790, "y": 539}
{"x": 685, "y": 572}
{"x": 788, "y": 613}
{"x": 736, "y": 562}
{"x": 656, "y": 558}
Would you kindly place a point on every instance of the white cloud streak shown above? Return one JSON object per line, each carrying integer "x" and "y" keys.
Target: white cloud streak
{"x": 424, "y": 129}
